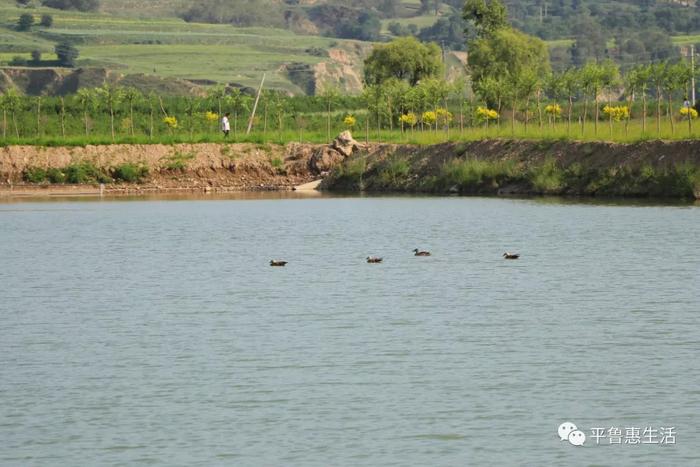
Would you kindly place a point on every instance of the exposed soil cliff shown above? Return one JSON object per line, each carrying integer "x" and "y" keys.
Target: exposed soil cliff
{"x": 492, "y": 167}
{"x": 655, "y": 168}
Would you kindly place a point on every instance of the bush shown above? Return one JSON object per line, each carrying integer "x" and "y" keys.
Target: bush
{"x": 84, "y": 172}
{"x": 25, "y": 22}
{"x": 56, "y": 176}
{"x": 18, "y": 61}
{"x": 80, "y": 5}
{"x": 130, "y": 173}
{"x": 36, "y": 56}
{"x": 46, "y": 21}
{"x": 34, "y": 175}
{"x": 67, "y": 54}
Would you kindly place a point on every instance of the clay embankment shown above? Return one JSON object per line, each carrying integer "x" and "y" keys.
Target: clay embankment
{"x": 518, "y": 167}
{"x": 26, "y": 170}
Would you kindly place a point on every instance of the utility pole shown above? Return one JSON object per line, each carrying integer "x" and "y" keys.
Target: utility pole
{"x": 255, "y": 106}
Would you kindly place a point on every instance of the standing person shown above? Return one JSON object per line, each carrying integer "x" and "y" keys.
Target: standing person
{"x": 225, "y": 124}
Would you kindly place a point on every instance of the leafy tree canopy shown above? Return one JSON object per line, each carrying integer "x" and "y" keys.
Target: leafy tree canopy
{"x": 405, "y": 59}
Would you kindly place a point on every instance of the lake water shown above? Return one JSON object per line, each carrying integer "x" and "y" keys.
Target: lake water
{"x": 153, "y": 332}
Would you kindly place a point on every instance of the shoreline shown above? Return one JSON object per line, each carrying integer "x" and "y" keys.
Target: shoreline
{"x": 502, "y": 167}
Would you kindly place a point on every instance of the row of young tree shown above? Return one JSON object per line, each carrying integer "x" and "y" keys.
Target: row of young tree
{"x": 125, "y": 112}
{"x": 593, "y": 93}
{"x": 578, "y": 96}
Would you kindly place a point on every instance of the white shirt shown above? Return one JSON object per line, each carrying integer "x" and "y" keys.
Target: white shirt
{"x": 225, "y": 125}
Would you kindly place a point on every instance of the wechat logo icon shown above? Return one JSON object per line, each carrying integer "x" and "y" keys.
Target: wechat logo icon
{"x": 569, "y": 432}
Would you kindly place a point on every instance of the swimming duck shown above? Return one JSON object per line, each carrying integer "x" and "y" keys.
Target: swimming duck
{"x": 507, "y": 255}
{"x": 374, "y": 259}
{"x": 416, "y": 252}
{"x": 277, "y": 263}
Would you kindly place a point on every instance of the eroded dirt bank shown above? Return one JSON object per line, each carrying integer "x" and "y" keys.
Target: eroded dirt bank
{"x": 134, "y": 168}
{"x": 494, "y": 167}
{"x": 509, "y": 167}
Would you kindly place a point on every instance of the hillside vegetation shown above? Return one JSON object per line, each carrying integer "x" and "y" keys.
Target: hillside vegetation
{"x": 307, "y": 45}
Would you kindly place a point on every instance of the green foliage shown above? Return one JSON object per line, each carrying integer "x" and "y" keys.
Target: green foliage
{"x": 486, "y": 16}
{"x": 178, "y": 161}
{"x": 405, "y": 59}
{"x": 34, "y": 175}
{"x": 84, "y": 172}
{"x": 130, "y": 173}
{"x": 547, "y": 178}
{"x": 25, "y": 22}
{"x": 55, "y": 175}
{"x": 46, "y": 21}
{"x": 67, "y": 54}
{"x": 394, "y": 172}
{"x": 80, "y": 5}
{"x": 473, "y": 175}
{"x": 507, "y": 52}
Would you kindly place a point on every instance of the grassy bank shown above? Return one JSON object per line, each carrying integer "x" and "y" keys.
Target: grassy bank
{"x": 522, "y": 167}
{"x": 318, "y": 134}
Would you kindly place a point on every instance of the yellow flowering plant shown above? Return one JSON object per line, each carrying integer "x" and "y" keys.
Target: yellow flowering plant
{"x": 553, "y": 110}
{"x": 443, "y": 116}
{"x": 211, "y": 117}
{"x": 409, "y": 119}
{"x": 617, "y": 113}
{"x": 486, "y": 114}
{"x": 429, "y": 117}
{"x": 171, "y": 122}
{"x": 691, "y": 110}
{"x": 350, "y": 121}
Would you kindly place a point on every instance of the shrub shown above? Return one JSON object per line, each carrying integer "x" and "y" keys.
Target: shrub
{"x": 46, "y": 21}
{"x": 67, "y": 54}
{"x": 18, "y": 61}
{"x": 130, "y": 173}
{"x": 25, "y": 22}
{"x": 56, "y": 176}
{"x": 34, "y": 175}
{"x": 547, "y": 178}
{"x": 84, "y": 172}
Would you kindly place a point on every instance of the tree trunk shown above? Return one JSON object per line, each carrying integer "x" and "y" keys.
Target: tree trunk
{"x": 367, "y": 129}
{"x": 150, "y": 130}
{"x": 131, "y": 116}
{"x": 527, "y": 113}
{"x": 597, "y": 113}
{"x": 670, "y": 113}
{"x": 14, "y": 122}
{"x": 658, "y": 111}
{"x": 539, "y": 108}
{"x": 111, "y": 113}
{"x": 328, "y": 122}
{"x": 38, "y": 117}
{"x": 87, "y": 129}
{"x": 4, "y": 124}
{"x": 644, "y": 112}
{"x": 63, "y": 117}
{"x": 571, "y": 107}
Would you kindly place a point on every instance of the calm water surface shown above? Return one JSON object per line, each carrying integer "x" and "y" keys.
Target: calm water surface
{"x": 153, "y": 332}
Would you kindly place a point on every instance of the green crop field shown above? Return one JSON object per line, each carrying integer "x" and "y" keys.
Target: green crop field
{"x": 686, "y": 40}
{"x": 168, "y": 47}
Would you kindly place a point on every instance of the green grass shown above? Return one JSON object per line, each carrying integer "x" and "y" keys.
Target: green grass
{"x": 423, "y": 21}
{"x": 686, "y": 39}
{"x": 170, "y": 46}
{"x": 547, "y": 134}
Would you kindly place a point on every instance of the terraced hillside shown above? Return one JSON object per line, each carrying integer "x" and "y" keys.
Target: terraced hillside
{"x": 171, "y": 47}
